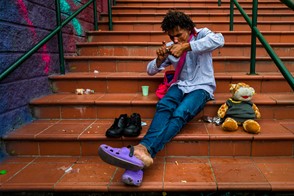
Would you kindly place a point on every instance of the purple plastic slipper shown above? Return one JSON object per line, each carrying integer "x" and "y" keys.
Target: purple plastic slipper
{"x": 120, "y": 157}
{"x": 132, "y": 177}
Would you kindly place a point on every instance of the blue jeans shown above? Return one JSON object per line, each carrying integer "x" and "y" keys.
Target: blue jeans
{"x": 173, "y": 111}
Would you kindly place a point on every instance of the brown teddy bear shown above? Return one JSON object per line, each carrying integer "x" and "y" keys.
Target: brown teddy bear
{"x": 239, "y": 110}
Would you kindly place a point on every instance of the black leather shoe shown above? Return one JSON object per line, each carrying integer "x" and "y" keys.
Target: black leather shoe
{"x": 134, "y": 127}
{"x": 116, "y": 129}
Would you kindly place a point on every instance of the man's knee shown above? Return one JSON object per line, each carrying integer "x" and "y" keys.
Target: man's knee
{"x": 164, "y": 105}
{"x": 183, "y": 115}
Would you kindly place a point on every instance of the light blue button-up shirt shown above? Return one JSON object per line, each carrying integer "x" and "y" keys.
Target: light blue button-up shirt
{"x": 197, "y": 72}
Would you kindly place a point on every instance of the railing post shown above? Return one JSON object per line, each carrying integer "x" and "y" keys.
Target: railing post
{"x": 110, "y": 15}
{"x": 219, "y": 2}
{"x": 253, "y": 37}
{"x": 114, "y": 2}
{"x": 95, "y": 15}
{"x": 231, "y": 15}
{"x": 59, "y": 35}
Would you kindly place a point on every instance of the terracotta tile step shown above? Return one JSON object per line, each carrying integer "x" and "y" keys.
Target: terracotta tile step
{"x": 191, "y": 3}
{"x": 198, "y": 9}
{"x": 213, "y": 25}
{"x": 139, "y": 63}
{"x": 131, "y": 82}
{"x": 111, "y": 105}
{"x": 197, "y": 138}
{"x": 196, "y": 16}
{"x": 149, "y": 49}
{"x": 208, "y": 175}
{"x": 159, "y": 36}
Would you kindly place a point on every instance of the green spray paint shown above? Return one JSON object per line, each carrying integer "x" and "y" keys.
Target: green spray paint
{"x": 76, "y": 2}
{"x": 65, "y": 7}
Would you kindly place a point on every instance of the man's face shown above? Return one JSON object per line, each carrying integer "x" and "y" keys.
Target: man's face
{"x": 178, "y": 35}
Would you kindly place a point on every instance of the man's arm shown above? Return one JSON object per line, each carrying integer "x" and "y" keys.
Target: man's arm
{"x": 207, "y": 42}
{"x": 160, "y": 62}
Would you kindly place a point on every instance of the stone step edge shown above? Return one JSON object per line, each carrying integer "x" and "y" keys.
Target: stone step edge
{"x": 213, "y": 132}
{"x": 226, "y": 7}
{"x": 279, "y": 14}
{"x": 268, "y": 99}
{"x": 160, "y": 32}
{"x": 239, "y": 44}
{"x": 226, "y": 58}
{"x": 206, "y": 1}
{"x": 122, "y": 1}
{"x": 290, "y": 22}
{"x": 144, "y": 75}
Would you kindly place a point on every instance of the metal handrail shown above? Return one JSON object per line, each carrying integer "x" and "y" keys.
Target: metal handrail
{"x": 55, "y": 31}
{"x": 256, "y": 33}
{"x": 110, "y": 4}
{"x": 110, "y": 15}
{"x": 289, "y": 3}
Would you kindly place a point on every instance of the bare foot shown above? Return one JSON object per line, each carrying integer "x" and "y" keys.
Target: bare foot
{"x": 142, "y": 153}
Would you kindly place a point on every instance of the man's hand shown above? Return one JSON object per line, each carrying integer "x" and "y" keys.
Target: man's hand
{"x": 162, "y": 54}
{"x": 178, "y": 49}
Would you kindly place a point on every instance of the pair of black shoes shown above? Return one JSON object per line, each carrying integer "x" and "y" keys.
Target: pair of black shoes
{"x": 125, "y": 126}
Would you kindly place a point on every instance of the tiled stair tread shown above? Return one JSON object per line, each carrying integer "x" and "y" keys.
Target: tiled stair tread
{"x": 193, "y": 1}
{"x": 186, "y": 1}
{"x": 143, "y": 75}
{"x": 138, "y": 99}
{"x": 196, "y": 130}
{"x": 191, "y": 14}
{"x": 180, "y": 1}
{"x": 151, "y": 36}
{"x": 207, "y": 174}
{"x": 233, "y": 58}
{"x": 162, "y": 33}
{"x": 199, "y": 23}
{"x": 282, "y": 6}
{"x": 144, "y": 25}
{"x": 198, "y": 17}
{"x": 239, "y": 44}
{"x": 199, "y": 8}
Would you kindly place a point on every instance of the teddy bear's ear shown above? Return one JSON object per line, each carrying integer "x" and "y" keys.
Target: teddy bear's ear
{"x": 232, "y": 87}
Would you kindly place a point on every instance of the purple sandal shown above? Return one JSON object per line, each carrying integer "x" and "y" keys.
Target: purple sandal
{"x": 120, "y": 157}
{"x": 132, "y": 177}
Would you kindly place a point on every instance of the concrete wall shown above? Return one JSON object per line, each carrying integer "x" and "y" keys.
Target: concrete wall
{"x": 22, "y": 24}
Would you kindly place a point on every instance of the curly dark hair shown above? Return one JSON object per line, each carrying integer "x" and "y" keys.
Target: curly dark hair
{"x": 174, "y": 18}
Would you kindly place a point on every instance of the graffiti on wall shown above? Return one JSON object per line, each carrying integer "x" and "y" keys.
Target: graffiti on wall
{"x": 65, "y": 8}
{"x": 24, "y": 13}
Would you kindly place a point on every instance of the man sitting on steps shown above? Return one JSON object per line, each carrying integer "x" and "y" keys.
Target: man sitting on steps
{"x": 183, "y": 100}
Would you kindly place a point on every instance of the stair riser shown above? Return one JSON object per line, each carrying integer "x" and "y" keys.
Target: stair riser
{"x": 124, "y": 85}
{"x": 271, "y": 37}
{"x": 222, "y": 26}
{"x": 196, "y": 9}
{"x": 192, "y": 147}
{"x": 204, "y": 17}
{"x": 124, "y": 50}
{"x": 112, "y": 110}
{"x": 134, "y": 65}
{"x": 194, "y": 3}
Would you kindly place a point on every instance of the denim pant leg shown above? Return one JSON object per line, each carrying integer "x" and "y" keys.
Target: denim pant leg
{"x": 191, "y": 105}
{"x": 164, "y": 110}
{"x": 172, "y": 113}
